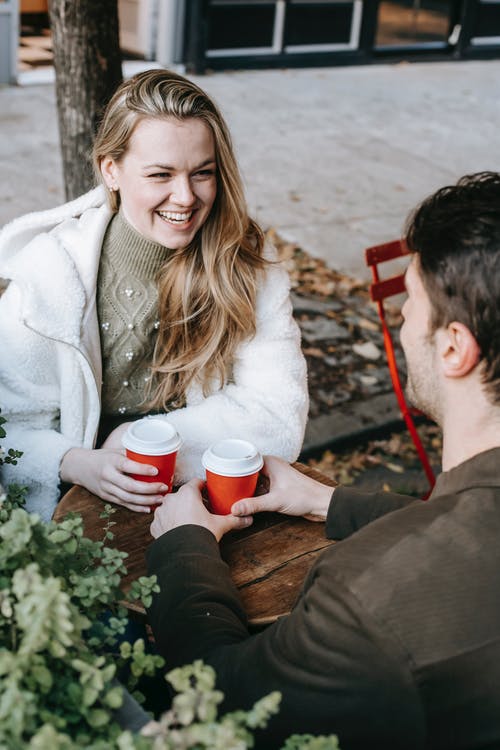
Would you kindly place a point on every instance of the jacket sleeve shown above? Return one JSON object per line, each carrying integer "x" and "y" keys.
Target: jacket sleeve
{"x": 28, "y": 399}
{"x": 337, "y": 670}
{"x": 266, "y": 400}
{"x": 351, "y": 509}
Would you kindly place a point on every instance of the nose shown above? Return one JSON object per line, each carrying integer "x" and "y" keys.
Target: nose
{"x": 182, "y": 192}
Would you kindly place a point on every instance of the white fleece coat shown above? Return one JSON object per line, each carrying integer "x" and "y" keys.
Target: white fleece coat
{"x": 50, "y": 357}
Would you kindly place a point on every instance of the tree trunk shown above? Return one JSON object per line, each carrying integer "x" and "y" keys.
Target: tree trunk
{"x": 87, "y": 62}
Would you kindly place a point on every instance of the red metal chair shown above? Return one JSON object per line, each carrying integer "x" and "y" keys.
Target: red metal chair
{"x": 380, "y": 289}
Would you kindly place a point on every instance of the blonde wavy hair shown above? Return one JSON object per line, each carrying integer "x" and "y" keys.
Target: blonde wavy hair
{"x": 207, "y": 290}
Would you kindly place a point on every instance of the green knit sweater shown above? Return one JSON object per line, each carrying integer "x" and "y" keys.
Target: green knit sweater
{"x": 127, "y": 306}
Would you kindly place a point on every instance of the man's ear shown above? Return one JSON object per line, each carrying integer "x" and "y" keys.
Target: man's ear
{"x": 459, "y": 350}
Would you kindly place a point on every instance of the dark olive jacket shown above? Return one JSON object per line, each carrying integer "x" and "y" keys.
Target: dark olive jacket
{"x": 394, "y": 641}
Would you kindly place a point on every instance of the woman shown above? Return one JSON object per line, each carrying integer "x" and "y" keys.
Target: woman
{"x": 150, "y": 294}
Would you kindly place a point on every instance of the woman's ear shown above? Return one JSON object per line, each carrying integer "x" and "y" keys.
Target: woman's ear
{"x": 459, "y": 350}
{"x": 108, "y": 171}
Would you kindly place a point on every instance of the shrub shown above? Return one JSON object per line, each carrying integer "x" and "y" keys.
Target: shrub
{"x": 60, "y": 632}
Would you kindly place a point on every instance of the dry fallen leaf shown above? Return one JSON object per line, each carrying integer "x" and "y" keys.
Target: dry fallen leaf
{"x": 395, "y": 468}
{"x": 312, "y": 351}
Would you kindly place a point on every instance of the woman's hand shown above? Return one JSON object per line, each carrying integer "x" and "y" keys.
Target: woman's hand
{"x": 105, "y": 473}
{"x": 290, "y": 492}
{"x": 114, "y": 439}
{"x": 186, "y": 506}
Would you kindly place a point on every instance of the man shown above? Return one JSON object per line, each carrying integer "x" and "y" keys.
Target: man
{"x": 395, "y": 639}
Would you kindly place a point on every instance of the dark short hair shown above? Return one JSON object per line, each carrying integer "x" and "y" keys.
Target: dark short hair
{"x": 456, "y": 233}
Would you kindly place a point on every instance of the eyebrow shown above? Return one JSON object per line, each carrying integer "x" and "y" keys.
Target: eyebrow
{"x": 168, "y": 168}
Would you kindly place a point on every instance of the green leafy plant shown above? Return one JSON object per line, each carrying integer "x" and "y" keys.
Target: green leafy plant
{"x": 57, "y": 667}
{"x": 61, "y": 643}
{"x": 192, "y": 720}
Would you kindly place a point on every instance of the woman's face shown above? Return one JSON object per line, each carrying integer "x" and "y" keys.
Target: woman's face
{"x": 167, "y": 179}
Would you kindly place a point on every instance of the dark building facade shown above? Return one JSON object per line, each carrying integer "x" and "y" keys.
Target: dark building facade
{"x": 222, "y": 34}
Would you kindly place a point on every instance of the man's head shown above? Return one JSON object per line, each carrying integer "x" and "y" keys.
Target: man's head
{"x": 455, "y": 279}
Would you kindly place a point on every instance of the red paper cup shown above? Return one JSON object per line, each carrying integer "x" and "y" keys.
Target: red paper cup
{"x": 232, "y": 469}
{"x": 224, "y": 491}
{"x": 155, "y": 442}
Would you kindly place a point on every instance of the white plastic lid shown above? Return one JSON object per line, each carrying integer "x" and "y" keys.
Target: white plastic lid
{"x": 151, "y": 436}
{"x": 232, "y": 458}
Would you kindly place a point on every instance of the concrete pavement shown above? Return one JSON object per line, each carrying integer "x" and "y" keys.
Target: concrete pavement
{"x": 333, "y": 158}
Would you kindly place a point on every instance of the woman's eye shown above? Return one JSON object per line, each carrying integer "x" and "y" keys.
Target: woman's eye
{"x": 160, "y": 175}
{"x": 205, "y": 173}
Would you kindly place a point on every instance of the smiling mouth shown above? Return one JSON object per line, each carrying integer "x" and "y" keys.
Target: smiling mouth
{"x": 175, "y": 217}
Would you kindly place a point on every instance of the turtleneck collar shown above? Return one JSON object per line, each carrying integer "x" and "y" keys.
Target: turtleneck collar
{"x": 129, "y": 249}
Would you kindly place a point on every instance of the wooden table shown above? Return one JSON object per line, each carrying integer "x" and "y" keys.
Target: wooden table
{"x": 268, "y": 561}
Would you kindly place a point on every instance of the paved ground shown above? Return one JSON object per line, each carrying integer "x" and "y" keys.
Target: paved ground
{"x": 333, "y": 159}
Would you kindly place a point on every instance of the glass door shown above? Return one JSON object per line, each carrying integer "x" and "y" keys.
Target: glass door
{"x": 481, "y": 28}
{"x": 413, "y": 24}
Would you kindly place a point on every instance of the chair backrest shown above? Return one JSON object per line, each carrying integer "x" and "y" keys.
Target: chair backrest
{"x": 380, "y": 289}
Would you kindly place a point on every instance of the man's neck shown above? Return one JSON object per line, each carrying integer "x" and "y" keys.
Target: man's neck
{"x": 469, "y": 431}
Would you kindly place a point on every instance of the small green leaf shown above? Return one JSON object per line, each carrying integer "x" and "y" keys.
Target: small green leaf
{"x": 114, "y": 697}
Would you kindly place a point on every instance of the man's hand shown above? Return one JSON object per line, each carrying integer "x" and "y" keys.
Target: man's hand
{"x": 105, "y": 473}
{"x": 186, "y": 506}
{"x": 290, "y": 492}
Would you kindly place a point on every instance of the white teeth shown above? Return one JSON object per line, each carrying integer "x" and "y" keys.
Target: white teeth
{"x": 173, "y": 216}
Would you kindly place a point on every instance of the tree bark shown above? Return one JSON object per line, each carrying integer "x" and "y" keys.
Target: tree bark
{"x": 87, "y": 62}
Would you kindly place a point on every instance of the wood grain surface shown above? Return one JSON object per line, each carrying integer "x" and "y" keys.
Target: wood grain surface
{"x": 268, "y": 561}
